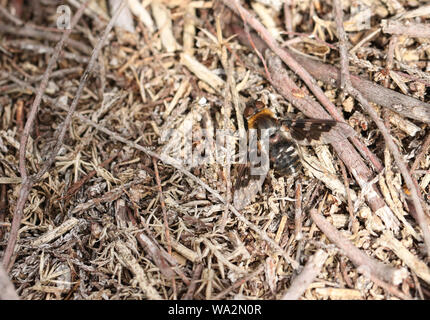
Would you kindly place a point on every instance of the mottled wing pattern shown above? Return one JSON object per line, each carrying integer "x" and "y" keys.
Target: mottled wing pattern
{"x": 246, "y": 186}
{"x": 317, "y": 131}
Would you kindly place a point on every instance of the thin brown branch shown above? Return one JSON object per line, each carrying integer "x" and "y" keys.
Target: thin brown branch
{"x": 162, "y": 259}
{"x": 3, "y": 205}
{"x": 405, "y": 105}
{"x": 251, "y": 41}
{"x": 422, "y": 153}
{"x": 10, "y": 16}
{"x": 41, "y": 49}
{"x": 354, "y": 221}
{"x": 390, "y": 57}
{"x": 88, "y": 71}
{"x": 7, "y": 290}
{"x": 298, "y": 216}
{"x": 230, "y": 92}
{"x": 154, "y": 251}
{"x": 192, "y": 287}
{"x": 288, "y": 18}
{"x": 165, "y": 219}
{"x": 390, "y": 288}
{"x": 307, "y": 276}
{"x": 421, "y": 219}
{"x": 364, "y": 263}
{"x": 31, "y": 32}
{"x": 78, "y": 184}
{"x": 163, "y": 206}
{"x": 28, "y": 182}
{"x": 409, "y": 29}
{"x": 239, "y": 283}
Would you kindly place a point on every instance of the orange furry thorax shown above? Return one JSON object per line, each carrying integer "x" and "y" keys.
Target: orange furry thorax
{"x": 261, "y": 119}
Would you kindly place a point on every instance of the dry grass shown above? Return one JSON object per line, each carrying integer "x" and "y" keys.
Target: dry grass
{"x": 119, "y": 216}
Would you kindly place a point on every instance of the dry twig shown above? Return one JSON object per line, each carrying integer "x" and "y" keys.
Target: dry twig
{"x": 7, "y": 291}
{"x": 307, "y": 276}
{"x": 28, "y": 182}
{"x": 364, "y": 264}
{"x": 388, "y": 139}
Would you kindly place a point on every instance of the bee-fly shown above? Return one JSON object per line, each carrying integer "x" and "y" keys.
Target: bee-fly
{"x": 283, "y": 151}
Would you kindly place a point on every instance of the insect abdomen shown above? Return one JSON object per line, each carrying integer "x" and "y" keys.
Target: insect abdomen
{"x": 284, "y": 157}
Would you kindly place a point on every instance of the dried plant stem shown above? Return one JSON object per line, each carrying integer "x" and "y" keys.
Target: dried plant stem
{"x": 238, "y": 283}
{"x": 307, "y": 276}
{"x": 230, "y": 91}
{"x": 126, "y": 258}
{"x": 416, "y": 265}
{"x": 163, "y": 206}
{"x": 410, "y": 29}
{"x": 288, "y": 17}
{"x": 354, "y": 221}
{"x": 7, "y": 290}
{"x": 298, "y": 215}
{"x": 257, "y": 51}
{"x": 422, "y": 153}
{"x": 405, "y": 105}
{"x": 3, "y": 205}
{"x": 155, "y": 252}
{"x": 364, "y": 263}
{"x": 78, "y": 184}
{"x": 165, "y": 219}
{"x": 27, "y": 182}
{"x": 388, "y": 139}
{"x": 390, "y": 288}
{"x": 192, "y": 287}
{"x": 30, "y": 31}
{"x": 390, "y": 57}
{"x": 10, "y": 16}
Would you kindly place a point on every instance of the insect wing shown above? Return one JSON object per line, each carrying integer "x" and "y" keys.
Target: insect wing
{"x": 317, "y": 131}
{"x": 247, "y": 186}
